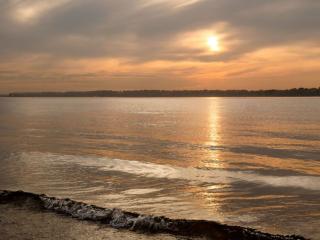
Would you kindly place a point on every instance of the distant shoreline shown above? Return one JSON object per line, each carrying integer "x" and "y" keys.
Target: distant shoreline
{"x": 294, "y": 92}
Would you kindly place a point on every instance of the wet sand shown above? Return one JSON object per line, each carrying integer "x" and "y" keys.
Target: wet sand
{"x": 19, "y": 222}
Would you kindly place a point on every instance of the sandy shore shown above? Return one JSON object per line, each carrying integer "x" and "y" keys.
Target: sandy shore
{"x": 18, "y": 223}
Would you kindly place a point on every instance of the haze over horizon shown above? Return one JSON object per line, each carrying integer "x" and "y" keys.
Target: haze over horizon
{"x": 67, "y": 45}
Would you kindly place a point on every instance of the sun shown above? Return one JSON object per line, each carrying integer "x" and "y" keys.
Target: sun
{"x": 213, "y": 43}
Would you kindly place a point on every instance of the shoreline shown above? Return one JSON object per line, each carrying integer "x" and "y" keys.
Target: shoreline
{"x": 293, "y": 92}
{"x": 145, "y": 224}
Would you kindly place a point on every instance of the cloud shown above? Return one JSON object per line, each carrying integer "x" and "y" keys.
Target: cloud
{"x": 137, "y": 33}
{"x": 145, "y": 31}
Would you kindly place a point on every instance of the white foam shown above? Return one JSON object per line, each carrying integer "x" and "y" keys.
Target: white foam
{"x": 138, "y": 191}
{"x": 151, "y": 170}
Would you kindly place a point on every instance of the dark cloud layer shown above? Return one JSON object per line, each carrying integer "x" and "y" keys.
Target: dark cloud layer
{"x": 147, "y": 44}
{"x": 146, "y": 30}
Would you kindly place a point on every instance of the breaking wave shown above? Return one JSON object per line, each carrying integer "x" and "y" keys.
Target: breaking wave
{"x": 136, "y": 222}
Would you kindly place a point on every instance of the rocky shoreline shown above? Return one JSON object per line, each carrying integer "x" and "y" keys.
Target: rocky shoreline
{"x": 117, "y": 218}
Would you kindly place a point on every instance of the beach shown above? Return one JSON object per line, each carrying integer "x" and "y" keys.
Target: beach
{"x": 21, "y": 223}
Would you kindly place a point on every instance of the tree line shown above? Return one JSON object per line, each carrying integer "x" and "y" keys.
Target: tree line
{"x": 294, "y": 92}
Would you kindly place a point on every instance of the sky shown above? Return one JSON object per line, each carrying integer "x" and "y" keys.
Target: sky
{"x": 65, "y": 45}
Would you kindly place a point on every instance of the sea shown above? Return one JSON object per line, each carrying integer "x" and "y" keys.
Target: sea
{"x": 252, "y": 162}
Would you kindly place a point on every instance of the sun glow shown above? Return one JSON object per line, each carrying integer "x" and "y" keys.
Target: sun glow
{"x": 213, "y": 43}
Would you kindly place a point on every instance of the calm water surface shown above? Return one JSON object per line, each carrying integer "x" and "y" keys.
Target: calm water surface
{"x": 244, "y": 161}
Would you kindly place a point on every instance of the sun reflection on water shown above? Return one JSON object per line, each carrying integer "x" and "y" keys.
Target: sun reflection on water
{"x": 214, "y": 138}
{"x": 210, "y": 196}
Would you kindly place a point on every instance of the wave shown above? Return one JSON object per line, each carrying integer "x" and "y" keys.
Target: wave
{"x": 117, "y": 218}
{"x": 198, "y": 175}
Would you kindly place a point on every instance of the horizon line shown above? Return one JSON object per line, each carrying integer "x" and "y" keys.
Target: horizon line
{"x": 168, "y": 93}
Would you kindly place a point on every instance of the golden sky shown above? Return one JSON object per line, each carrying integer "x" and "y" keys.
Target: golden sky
{"x": 158, "y": 44}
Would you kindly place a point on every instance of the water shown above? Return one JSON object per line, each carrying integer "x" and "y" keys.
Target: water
{"x": 252, "y": 162}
